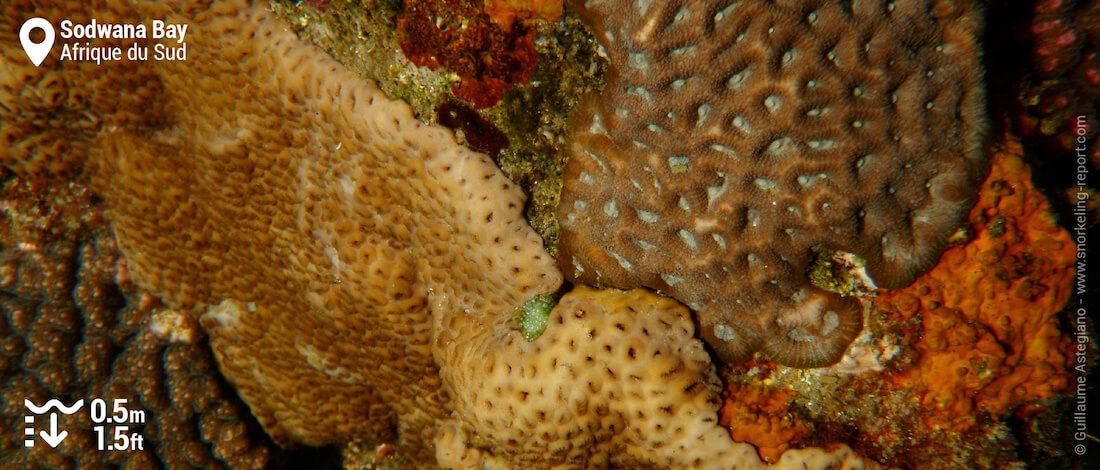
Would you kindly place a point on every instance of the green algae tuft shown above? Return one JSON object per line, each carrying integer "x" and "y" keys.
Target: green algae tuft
{"x": 532, "y": 316}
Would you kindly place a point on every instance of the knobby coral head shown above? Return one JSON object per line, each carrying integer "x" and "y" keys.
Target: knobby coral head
{"x": 735, "y": 142}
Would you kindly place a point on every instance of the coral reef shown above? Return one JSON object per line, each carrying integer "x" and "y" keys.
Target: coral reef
{"x": 73, "y": 327}
{"x": 561, "y": 398}
{"x": 145, "y": 159}
{"x": 356, "y": 270}
{"x": 389, "y": 310}
{"x": 390, "y": 218}
{"x": 732, "y": 143}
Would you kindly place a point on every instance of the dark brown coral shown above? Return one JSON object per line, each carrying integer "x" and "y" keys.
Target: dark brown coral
{"x": 734, "y": 140}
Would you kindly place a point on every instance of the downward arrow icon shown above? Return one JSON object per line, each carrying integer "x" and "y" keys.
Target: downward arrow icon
{"x": 53, "y": 438}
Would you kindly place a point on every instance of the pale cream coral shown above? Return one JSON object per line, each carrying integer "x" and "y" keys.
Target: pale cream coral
{"x": 615, "y": 374}
{"x": 618, "y": 377}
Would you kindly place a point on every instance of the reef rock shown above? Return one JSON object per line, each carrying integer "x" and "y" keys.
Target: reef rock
{"x": 734, "y": 141}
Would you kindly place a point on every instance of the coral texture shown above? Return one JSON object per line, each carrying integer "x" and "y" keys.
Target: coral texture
{"x": 732, "y": 142}
{"x": 49, "y": 118}
{"x": 996, "y": 351}
{"x": 72, "y": 327}
{"x": 357, "y": 271}
{"x": 289, "y": 209}
{"x": 302, "y": 207}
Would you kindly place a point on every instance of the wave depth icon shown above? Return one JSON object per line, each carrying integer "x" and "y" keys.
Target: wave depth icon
{"x": 54, "y": 403}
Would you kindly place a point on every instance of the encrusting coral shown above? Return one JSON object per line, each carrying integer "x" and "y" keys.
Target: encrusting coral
{"x": 734, "y": 142}
{"x": 356, "y": 270}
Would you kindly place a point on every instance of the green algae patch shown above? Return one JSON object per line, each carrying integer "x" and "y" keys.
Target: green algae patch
{"x": 532, "y": 316}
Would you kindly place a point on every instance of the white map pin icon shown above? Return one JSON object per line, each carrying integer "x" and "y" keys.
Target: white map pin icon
{"x": 37, "y": 52}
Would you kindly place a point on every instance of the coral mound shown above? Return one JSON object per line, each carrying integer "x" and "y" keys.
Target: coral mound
{"x": 733, "y": 142}
{"x": 566, "y": 401}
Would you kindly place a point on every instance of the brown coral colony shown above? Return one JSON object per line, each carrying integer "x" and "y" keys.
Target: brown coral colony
{"x": 735, "y": 140}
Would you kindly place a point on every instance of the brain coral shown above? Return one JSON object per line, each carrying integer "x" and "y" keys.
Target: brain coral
{"x": 356, "y": 270}
{"x": 735, "y": 140}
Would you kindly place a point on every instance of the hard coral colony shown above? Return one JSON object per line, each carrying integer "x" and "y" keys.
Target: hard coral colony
{"x": 360, "y": 277}
{"x": 735, "y": 140}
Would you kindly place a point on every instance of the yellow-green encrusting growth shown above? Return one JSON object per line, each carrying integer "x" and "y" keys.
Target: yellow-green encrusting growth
{"x": 839, "y": 272}
{"x": 531, "y": 317}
